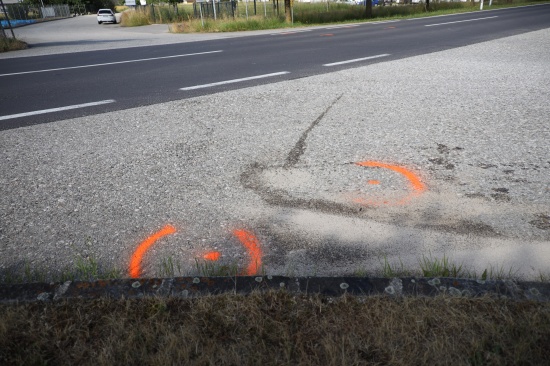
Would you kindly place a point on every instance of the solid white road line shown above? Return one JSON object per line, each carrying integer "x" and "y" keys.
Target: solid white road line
{"x": 461, "y": 21}
{"x": 291, "y": 32}
{"x": 235, "y": 80}
{"x": 76, "y": 106}
{"x": 343, "y": 26}
{"x": 111, "y": 63}
{"x": 356, "y": 60}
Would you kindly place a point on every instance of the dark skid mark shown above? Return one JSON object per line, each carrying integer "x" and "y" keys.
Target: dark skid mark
{"x": 300, "y": 147}
{"x": 541, "y": 222}
{"x": 442, "y": 149}
{"x": 500, "y": 197}
{"x": 465, "y": 227}
{"x": 501, "y": 190}
{"x": 250, "y": 179}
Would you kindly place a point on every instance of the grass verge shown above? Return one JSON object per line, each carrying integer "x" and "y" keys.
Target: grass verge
{"x": 277, "y": 328}
{"x": 11, "y": 44}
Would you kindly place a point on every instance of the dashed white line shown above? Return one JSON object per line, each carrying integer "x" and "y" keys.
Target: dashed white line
{"x": 461, "y": 21}
{"x": 51, "y": 110}
{"x": 356, "y": 60}
{"x": 235, "y": 80}
{"x": 111, "y": 63}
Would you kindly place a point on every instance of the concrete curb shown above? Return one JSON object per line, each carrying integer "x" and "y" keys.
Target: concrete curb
{"x": 328, "y": 286}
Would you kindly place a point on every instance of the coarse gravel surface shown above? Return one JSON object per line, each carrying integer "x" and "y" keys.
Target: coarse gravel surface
{"x": 278, "y": 160}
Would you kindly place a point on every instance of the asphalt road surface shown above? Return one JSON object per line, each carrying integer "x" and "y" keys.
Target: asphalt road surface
{"x": 439, "y": 145}
{"x": 84, "y": 83}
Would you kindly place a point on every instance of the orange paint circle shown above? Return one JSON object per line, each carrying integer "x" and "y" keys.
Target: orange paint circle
{"x": 143, "y": 247}
{"x": 212, "y": 256}
{"x": 252, "y": 244}
{"x": 416, "y": 185}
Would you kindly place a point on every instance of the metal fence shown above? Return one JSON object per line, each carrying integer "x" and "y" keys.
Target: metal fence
{"x": 20, "y": 14}
{"x": 225, "y": 9}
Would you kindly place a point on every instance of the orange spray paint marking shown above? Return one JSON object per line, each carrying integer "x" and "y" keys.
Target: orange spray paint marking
{"x": 416, "y": 184}
{"x": 327, "y": 35}
{"x": 252, "y": 244}
{"x": 374, "y": 182}
{"x": 212, "y": 256}
{"x": 135, "y": 262}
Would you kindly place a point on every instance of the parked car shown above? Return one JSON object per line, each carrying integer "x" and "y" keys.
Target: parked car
{"x": 106, "y": 15}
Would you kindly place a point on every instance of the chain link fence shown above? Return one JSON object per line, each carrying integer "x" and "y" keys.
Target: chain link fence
{"x": 225, "y": 9}
{"x": 15, "y": 15}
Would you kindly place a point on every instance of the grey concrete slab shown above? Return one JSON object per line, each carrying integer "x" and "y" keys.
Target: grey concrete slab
{"x": 277, "y": 160}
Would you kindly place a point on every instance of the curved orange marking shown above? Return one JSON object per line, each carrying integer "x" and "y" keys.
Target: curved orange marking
{"x": 252, "y": 244}
{"x": 415, "y": 182}
{"x": 212, "y": 256}
{"x": 135, "y": 262}
{"x": 373, "y": 181}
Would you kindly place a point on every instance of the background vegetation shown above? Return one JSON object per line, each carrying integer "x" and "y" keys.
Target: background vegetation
{"x": 183, "y": 18}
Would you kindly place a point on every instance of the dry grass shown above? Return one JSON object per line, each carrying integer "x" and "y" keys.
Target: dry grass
{"x": 277, "y": 328}
{"x": 134, "y": 18}
{"x": 10, "y": 44}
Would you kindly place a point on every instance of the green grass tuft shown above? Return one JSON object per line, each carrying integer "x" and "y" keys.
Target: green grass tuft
{"x": 434, "y": 267}
{"x": 214, "y": 269}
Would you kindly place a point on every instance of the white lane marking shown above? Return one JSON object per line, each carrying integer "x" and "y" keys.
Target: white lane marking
{"x": 382, "y": 22}
{"x": 356, "y": 60}
{"x": 461, "y": 21}
{"x": 235, "y": 80}
{"x": 343, "y": 26}
{"x": 51, "y": 110}
{"x": 111, "y": 63}
{"x": 477, "y": 11}
{"x": 291, "y": 32}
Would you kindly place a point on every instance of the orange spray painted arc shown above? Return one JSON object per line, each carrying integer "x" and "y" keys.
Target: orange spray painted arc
{"x": 252, "y": 244}
{"x": 416, "y": 184}
{"x": 135, "y": 262}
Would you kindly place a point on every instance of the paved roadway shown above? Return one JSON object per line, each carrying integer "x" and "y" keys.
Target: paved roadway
{"x": 452, "y": 145}
{"x": 132, "y": 77}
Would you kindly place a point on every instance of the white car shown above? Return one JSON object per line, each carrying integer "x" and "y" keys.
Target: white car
{"x": 106, "y": 15}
